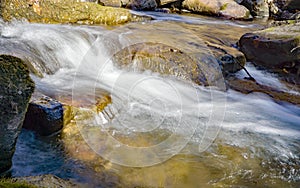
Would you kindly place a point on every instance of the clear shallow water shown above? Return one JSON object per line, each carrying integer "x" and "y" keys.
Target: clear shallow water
{"x": 256, "y": 138}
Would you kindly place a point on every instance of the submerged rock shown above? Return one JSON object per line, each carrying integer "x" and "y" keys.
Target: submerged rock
{"x": 276, "y": 49}
{"x": 44, "y": 116}
{"x": 55, "y": 11}
{"x": 247, "y": 86}
{"x": 160, "y": 58}
{"x": 16, "y": 88}
{"x": 225, "y": 8}
{"x": 190, "y": 54}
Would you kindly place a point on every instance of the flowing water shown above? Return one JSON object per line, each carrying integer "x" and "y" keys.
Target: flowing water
{"x": 159, "y": 131}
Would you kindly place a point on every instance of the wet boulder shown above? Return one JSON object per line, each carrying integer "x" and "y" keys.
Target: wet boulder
{"x": 225, "y": 8}
{"x": 53, "y": 11}
{"x": 16, "y": 88}
{"x": 277, "y": 49}
{"x": 44, "y": 116}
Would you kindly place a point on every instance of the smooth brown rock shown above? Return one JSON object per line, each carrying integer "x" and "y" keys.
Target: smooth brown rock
{"x": 277, "y": 49}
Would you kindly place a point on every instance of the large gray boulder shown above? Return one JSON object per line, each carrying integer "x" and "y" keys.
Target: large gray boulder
{"x": 16, "y": 88}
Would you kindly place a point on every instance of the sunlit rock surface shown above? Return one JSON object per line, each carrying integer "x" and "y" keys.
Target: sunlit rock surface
{"x": 16, "y": 88}
{"x": 56, "y": 11}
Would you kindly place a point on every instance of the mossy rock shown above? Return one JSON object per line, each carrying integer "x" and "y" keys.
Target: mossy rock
{"x": 46, "y": 181}
{"x": 56, "y": 11}
{"x": 12, "y": 183}
{"x": 16, "y": 88}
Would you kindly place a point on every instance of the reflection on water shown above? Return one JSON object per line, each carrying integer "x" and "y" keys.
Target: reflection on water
{"x": 221, "y": 165}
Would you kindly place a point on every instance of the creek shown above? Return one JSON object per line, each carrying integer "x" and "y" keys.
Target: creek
{"x": 159, "y": 130}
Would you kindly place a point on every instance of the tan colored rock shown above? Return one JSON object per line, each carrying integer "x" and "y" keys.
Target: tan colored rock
{"x": 225, "y": 8}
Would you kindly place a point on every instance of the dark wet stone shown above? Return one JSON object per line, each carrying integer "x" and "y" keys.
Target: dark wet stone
{"x": 44, "y": 116}
{"x": 293, "y": 5}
